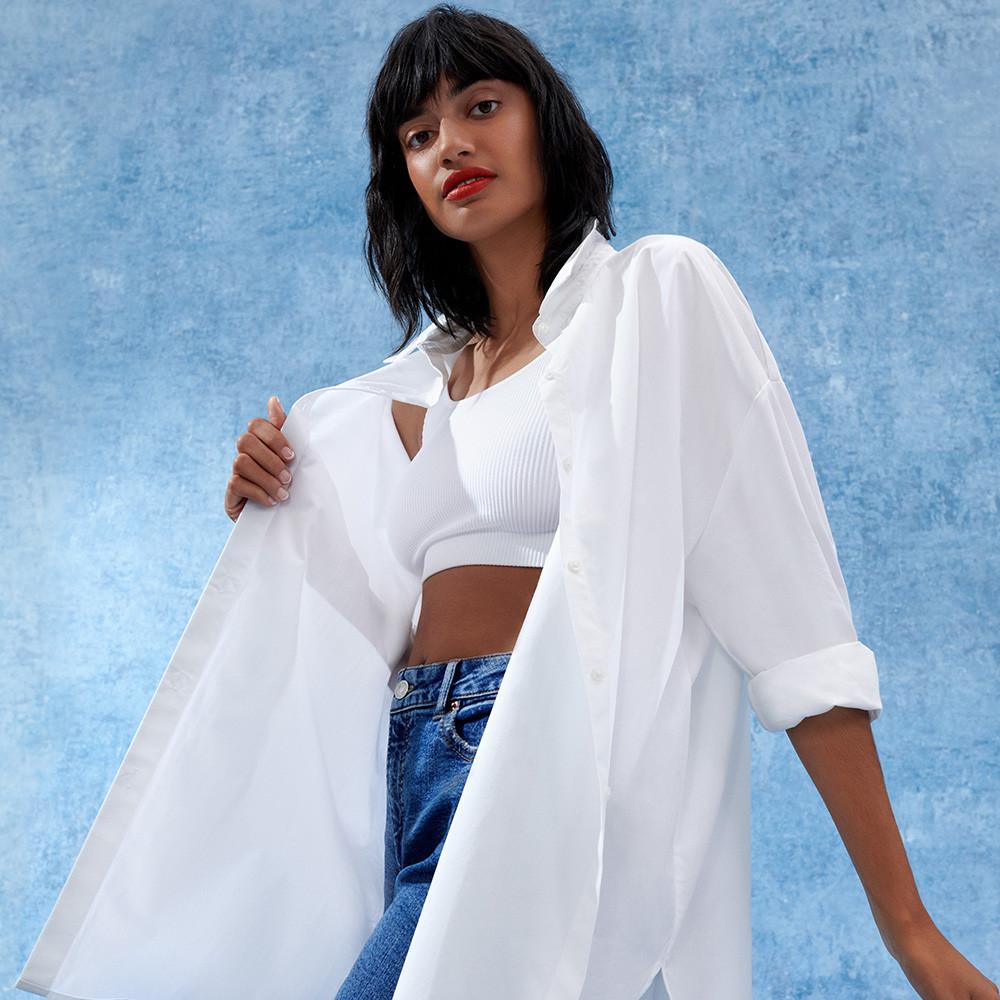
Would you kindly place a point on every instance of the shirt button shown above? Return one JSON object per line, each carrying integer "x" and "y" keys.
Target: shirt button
{"x": 224, "y": 583}
{"x": 573, "y": 565}
{"x": 176, "y": 681}
{"x": 550, "y": 375}
{"x": 543, "y": 328}
{"x": 596, "y": 675}
{"x": 401, "y": 688}
{"x": 567, "y": 464}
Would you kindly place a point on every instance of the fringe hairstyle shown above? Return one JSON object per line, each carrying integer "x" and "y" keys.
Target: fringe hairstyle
{"x": 410, "y": 260}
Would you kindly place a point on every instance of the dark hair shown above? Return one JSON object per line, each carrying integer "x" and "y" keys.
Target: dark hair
{"x": 410, "y": 260}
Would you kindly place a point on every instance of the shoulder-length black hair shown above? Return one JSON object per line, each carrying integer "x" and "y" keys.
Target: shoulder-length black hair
{"x": 410, "y": 260}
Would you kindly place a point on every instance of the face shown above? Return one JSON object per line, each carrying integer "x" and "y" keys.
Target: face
{"x": 491, "y": 124}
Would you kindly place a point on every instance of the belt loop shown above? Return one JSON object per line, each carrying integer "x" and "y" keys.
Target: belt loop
{"x": 445, "y": 689}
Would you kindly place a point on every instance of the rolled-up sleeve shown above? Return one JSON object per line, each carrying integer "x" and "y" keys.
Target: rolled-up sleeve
{"x": 765, "y": 576}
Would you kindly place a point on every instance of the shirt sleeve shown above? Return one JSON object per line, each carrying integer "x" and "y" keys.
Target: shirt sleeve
{"x": 765, "y": 577}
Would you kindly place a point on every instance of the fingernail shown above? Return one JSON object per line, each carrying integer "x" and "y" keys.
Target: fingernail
{"x": 285, "y": 476}
{"x": 288, "y": 453}
{"x": 282, "y": 493}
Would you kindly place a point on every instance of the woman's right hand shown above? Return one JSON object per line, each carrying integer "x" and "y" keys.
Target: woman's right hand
{"x": 259, "y": 469}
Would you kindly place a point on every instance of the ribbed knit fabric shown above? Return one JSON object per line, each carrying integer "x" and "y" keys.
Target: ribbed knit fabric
{"x": 484, "y": 487}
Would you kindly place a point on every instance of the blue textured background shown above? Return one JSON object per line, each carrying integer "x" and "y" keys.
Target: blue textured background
{"x": 180, "y": 236}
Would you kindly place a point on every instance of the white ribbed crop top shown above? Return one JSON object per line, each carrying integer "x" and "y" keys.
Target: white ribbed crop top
{"x": 483, "y": 487}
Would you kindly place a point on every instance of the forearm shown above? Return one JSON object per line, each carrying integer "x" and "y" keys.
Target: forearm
{"x": 838, "y": 751}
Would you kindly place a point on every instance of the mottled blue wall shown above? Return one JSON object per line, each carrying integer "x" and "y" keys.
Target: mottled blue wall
{"x": 180, "y": 236}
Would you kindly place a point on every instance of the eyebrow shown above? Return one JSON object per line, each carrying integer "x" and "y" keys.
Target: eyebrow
{"x": 453, "y": 91}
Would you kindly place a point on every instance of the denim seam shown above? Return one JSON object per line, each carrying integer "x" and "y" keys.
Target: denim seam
{"x": 451, "y": 735}
{"x": 467, "y": 660}
{"x": 464, "y": 698}
{"x": 404, "y": 738}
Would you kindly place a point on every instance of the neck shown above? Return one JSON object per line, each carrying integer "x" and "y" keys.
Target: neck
{"x": 509, "y": 264}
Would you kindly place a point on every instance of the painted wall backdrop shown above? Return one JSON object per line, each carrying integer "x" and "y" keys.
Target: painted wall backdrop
{"x": 181, "y": 227}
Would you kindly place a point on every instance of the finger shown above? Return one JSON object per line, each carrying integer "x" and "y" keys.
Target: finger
{"x": 240, "y": 487}
{"x": 275, "y": 412}
{"x": 246, "y": 467}
{"x": 233, "y": 504}
{"x": 264, "y": 456}
{"x": 272, "y": 437}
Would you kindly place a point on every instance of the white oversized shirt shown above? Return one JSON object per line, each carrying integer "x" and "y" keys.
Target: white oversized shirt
{"x": 601, "y": 844}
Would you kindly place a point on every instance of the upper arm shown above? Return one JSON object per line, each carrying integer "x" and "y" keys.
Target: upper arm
{"x": 761, "y": 563}
{"x": 765, "y": 576}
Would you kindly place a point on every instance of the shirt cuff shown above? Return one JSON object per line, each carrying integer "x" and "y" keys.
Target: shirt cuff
{"x": 845, "y": 674}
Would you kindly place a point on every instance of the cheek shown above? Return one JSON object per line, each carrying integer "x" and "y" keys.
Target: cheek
{"x": 421, "y": 172}
{"x": 524, "y": 137}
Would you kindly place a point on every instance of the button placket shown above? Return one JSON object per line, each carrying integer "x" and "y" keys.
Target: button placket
{"x": 560, "y": 421}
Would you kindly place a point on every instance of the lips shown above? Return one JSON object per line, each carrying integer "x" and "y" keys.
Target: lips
{"x": 465, "y": 190}
{"x": 465, "y": 174}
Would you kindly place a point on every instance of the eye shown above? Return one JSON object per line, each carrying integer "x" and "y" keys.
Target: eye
{"x": 409, "y": 142}
{"x": 488, "y": 100}
{"x": 416, "y": 145}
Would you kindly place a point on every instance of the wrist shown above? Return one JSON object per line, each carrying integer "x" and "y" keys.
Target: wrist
{"x": 902, "y": 926}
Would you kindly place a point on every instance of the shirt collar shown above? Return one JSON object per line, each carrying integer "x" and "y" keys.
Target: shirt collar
{"x": 557, "y": 306}
{"x": 419, "y": 371}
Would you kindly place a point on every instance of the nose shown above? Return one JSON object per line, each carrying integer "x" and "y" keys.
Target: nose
{"x": 452, "y": 140}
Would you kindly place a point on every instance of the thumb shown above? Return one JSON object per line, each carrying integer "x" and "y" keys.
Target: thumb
{"x": 275, "y": 412}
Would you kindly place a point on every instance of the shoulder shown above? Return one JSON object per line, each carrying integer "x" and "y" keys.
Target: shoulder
{"x": 685, "y": 267}
{"x": 671, "y": 255}
{"x": 692, "y": 290}
{"x": 672, "y": 265}
{"x": 682, "y": 269}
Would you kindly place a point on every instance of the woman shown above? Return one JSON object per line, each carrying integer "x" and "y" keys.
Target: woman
{"x": 484, "y": 208}
{"x": 476, "y": 205}
{"x": 313, "y": 804}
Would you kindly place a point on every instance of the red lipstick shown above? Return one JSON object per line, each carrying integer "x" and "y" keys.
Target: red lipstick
{"x": 480, "y": 175}
{"x": 468, "y": 189}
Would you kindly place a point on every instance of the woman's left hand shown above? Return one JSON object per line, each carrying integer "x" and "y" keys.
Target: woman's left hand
{"x": 934, "y": 967}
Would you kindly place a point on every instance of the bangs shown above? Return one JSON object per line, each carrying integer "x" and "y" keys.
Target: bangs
{"x": 418, "y": 268}
{"x": 441, "y": 52}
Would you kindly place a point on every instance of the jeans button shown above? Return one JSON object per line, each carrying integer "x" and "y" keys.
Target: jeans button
{"x": 401, "y": 688}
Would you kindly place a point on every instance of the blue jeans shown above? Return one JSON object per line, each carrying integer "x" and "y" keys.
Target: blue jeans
{"x": 437, "y": 718}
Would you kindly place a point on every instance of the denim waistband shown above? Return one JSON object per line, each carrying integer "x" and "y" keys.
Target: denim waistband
{"x": 442, "y": 681}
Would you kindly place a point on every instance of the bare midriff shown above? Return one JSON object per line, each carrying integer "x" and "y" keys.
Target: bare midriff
{"x": 471, "y": 611}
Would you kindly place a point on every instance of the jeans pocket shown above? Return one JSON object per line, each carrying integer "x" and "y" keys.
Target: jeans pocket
{"x": 465, "y": 722}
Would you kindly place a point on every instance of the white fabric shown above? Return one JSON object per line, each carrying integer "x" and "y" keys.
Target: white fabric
{"x": 483, "y": 487}
{"x": 602, "y": 838}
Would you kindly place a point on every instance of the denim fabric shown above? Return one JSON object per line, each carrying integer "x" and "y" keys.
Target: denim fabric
{"x": 438, "y": 716}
